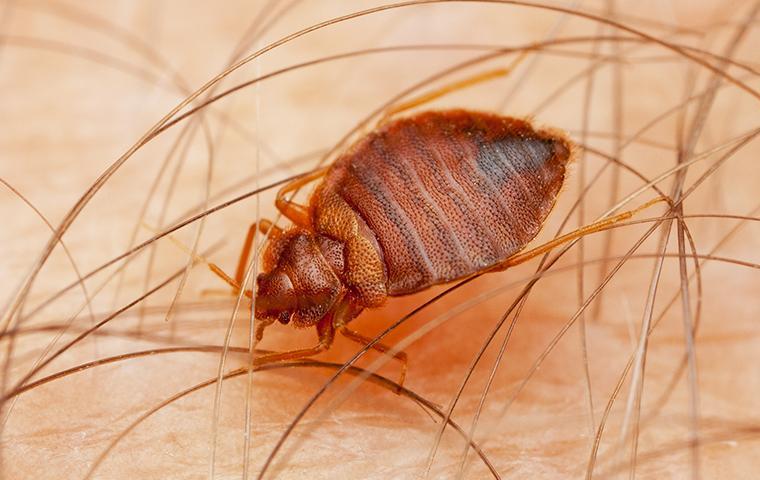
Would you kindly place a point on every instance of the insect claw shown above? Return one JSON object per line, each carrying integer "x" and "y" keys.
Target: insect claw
{"x": 404, "y": 359}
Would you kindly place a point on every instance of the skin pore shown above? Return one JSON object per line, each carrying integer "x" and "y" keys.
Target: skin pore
{"x": 81, "y": 85}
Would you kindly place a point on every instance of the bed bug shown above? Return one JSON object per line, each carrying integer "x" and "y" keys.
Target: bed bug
{"x": 420, "y": 201}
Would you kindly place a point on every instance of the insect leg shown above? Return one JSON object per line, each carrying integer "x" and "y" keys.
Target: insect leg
{"x": 362, "y": 340}
{"x": 235, "y": 284}
{"x": 594, "y": 227}
{"x": 326, "y": 334}
{"x": 451, "y": 87}
{"x": 263, "y": 226}
{"x": 296, "y": 213}
{"x": 229, "y": 280}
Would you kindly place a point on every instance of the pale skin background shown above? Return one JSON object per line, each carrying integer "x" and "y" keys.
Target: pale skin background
{"x": 80, "y": 83}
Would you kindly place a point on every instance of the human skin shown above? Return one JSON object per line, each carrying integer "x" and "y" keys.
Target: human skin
{"x": 70, "y": 113}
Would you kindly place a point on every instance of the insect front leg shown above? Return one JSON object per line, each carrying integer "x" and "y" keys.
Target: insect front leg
{"x": 263, "y": 226}
{"x": 326, "y": 334}
{"x": 236, "y": 283}
{"x": 236, "y": 287}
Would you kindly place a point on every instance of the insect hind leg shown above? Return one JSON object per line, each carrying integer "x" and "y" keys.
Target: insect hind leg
{"x": 449, "y": 88}
{"x": 599, "y": 226}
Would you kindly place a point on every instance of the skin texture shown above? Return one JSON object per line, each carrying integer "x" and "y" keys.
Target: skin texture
{"x": 73, "y": 111}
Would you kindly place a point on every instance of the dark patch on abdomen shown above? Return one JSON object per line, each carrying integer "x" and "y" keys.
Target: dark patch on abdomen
{"x": 444, "y": 202}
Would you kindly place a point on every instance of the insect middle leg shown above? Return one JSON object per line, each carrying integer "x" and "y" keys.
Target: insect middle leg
{"x": 297, "y": 213}
{"x": 400, "y": 356}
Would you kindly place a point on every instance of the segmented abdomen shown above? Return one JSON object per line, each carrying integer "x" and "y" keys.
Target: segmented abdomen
{"x": 447, "y": 194}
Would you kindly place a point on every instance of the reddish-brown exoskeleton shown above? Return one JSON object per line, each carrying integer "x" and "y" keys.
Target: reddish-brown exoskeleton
{"x": 422, "y": 200}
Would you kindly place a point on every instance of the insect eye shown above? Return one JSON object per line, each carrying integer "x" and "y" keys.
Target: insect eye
{"x": 284, "y": 317}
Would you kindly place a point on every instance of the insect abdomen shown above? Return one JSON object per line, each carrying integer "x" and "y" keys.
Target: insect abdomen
{"x": 447, "y": 194}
